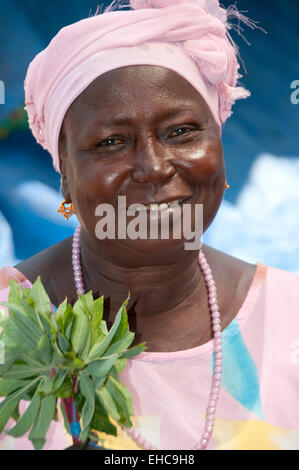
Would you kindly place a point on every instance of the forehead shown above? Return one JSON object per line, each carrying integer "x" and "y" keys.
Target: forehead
{"x": 146, "y": 88}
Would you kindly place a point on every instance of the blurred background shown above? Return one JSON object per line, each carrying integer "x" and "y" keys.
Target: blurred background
{"x": 259, "y": 217}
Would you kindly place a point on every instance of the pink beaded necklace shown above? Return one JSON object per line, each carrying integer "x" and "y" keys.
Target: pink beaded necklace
{"x": 216, "y": 322}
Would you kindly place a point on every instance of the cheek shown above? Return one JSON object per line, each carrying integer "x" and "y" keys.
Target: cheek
{"x": 98, "y": 182}
{"x": 207, "y": 163}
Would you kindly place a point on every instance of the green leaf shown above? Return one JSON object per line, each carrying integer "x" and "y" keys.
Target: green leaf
{"x": 66, "y": 389}
{"x": 46, "y": 386}
{"x": 134, "y": 351}
{"x": 69, "y": 321}
{"x": 25, "y": 329}
{"x": 15, "y": 292}
{"x": 59, "y": 379}
{"x": 87, "y": 390}
{"x": 9, "y": 404}
{"x": 65, "y": 419}
{"x": 26, "y": 420}
{"x": 99, "y": 348}
{"x": 16, "y": 414}
{"x": 101, "y": 422}
{"x": 43, "y": 351}
{"x": 121, "y": 345}
{"x": 21, "y": 371}
{"x": 97, "y": 316}
{"x": 104, "y": 328}
{"x": 79, "y": 332}
{"x": 123, "y": 400}
{"x": 43, "y": 421}
{"x": 7, "y": 386}
{"x": 60, "y": 314}
{"x": 72, "y": 362}
{"x": 11, "y": 355}
{"x": 84, "y": 305}
{"x": 85, "y": 350}
{"x": 124, "y": 324}
{"x": 101, "y": 367}
{"x": 120, "y": 365}
{"x": 62, "y": 343}
{"x": 17, "y": 336}
{"x": 41, "y": 298}
{"x": 107, "y": 401}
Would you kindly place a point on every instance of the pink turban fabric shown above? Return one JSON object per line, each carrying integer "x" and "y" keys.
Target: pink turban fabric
{"x": 189, "y": 37}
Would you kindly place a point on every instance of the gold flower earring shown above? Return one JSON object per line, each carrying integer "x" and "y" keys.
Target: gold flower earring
{"x": 226, "y": 185}
{"x": 66, "y": 211}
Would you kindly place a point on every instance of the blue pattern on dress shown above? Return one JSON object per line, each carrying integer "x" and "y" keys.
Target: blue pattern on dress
{"x": 239, "y": 371}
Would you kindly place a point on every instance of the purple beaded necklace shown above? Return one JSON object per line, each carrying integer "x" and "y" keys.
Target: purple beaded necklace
{"x": 216, "y": 322}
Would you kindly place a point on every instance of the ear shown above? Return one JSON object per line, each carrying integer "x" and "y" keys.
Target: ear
{"x": 62, "y": 151}
{"x": 65, "y": 188}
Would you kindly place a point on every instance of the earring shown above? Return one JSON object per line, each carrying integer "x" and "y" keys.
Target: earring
{"x": 66, "y": 211}
{"x": 226, "y": 185}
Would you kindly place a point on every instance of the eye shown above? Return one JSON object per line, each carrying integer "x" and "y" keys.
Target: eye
{"x": 181, "y": 131}
{"x": 110, "y": 142}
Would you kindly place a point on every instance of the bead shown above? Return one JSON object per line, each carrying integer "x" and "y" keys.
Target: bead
{"x": 216, "y": 384}
{"x": 216, "y": 320}
{"x": 214, "y": 308}
{"x": 204, "y": 442}
{"x": 218, "y": 355}
{"x": 212, "y": 299}
{"x": 209, "y": 428}
{"x": 218, "y": 376}
{"x": 216, "y": 328}
{"x": 215, "y": 314}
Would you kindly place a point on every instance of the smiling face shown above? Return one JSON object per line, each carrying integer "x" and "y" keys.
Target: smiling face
{"x": 145, "y": 133}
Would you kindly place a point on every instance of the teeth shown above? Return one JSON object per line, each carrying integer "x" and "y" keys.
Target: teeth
{"x": 162, "y": 206}
{"x": 174, "y": 203}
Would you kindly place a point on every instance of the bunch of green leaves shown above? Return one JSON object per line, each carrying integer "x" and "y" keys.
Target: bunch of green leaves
{"x": 46, "y": 352}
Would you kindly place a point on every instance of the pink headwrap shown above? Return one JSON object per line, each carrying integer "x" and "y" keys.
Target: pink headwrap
{"x": 188, "y": 36}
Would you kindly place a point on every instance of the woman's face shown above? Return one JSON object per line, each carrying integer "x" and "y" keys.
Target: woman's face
{"x": 145, "y": 133}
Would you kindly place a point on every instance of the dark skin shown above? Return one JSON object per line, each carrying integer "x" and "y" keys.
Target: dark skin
{"x": 165, "y": 146}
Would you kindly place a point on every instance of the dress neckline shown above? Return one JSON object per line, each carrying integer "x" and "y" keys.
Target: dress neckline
{"x": 152, "y": 356}
{"x": 242, "y": 316}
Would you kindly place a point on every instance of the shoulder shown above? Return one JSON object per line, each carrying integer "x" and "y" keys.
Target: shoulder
{"x": 228, "y": 269}
{"x": 46, "y": 262}
{"x": 54, "y": 266}
{"x": 275, "y": 290}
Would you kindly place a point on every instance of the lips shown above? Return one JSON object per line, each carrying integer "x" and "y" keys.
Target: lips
{"x": 163, "y": 204}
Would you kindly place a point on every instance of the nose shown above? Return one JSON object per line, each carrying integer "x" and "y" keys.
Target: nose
{"x": 152, "y": 164}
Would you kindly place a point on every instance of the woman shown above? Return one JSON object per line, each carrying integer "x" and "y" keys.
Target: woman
{"x": 130, "y": 103}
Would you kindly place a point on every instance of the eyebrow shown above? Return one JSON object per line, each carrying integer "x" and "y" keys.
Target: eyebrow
{"x": 168, "y": 114}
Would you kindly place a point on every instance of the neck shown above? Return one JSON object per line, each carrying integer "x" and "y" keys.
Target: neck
{"x": 156, "y": 291}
